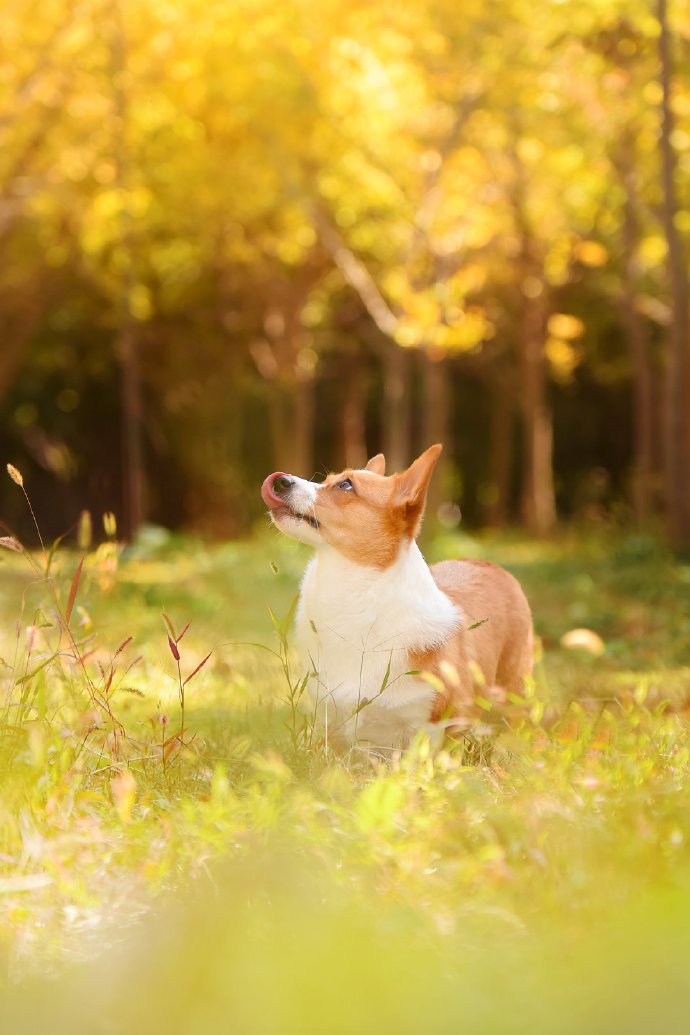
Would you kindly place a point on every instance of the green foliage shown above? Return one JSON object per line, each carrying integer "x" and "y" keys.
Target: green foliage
{"x": 224, "y": 178}
{"x": 492, "y": 879}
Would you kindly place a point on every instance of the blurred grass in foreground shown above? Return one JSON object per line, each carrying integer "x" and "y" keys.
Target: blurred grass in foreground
{"x": 274, "y": 949}
{"x": 536, "y": 880}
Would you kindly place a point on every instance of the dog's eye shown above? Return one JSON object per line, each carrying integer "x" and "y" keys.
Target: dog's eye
{"x": 346, "y": 485}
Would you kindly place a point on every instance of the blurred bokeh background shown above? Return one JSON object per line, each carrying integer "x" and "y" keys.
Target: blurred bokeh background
{"x": 245, "y": 236}
{"x": 251, "y": 235}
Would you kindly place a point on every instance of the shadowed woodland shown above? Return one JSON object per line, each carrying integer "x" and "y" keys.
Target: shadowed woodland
{"x": 244, "y": 237}
{"x": 247, "y": 236}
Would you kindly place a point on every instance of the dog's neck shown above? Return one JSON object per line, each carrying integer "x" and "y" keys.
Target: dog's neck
{"x": 399, "y": 606}
{"x": 356, "y": 627}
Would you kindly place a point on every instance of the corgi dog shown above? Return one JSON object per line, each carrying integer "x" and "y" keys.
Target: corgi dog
{"x": 373, "y": 616}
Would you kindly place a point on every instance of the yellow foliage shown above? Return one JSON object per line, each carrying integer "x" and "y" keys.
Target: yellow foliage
{"x": 563, "y": 358}
{"x": 407, "y": 334}
{"x": 140, "y": 304}
{"x": 652, "y": 250}
{"x": 530, "y": 149}
{"x": 591, "y": 253}
{"x": 564, "y": 325}
{"x": 227, "y": 123}
{"x": 423, "y": 309}
{"x": 396, "y": 284}
{"x": 682, "y": 221}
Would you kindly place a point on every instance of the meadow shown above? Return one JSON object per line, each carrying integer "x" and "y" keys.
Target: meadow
{"x": 221, "y": 870}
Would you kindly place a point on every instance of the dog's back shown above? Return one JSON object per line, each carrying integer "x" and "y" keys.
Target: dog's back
{"x": 494, "y": 642}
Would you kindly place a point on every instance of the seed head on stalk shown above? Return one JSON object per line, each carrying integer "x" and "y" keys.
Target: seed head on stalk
{"x": 15, "y": 475}
{"x": 17, "y": 478}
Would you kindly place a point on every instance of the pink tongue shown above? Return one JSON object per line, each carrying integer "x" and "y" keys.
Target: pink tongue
{"x": 270, "y": 498}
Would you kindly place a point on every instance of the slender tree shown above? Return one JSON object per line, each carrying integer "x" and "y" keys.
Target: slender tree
{"x": 677, "y": 403}
{"x": 127, "y": 338}
{"x": 644, "y": 416}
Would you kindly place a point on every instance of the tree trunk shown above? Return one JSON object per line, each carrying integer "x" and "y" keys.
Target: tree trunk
{"x": 677, "y": 402}
{"x": 644, "y": 424}
{"x": 643, "y": 431}
{"x": 132, "y": 448}
{"x": 291, "y": 419}
{"x": 397, "y": 416}
{"x": 501, "y": 436}
{"x": 126, "y": 344}
{"x": 16, "y": 339}
{"x": 280, "y": 426}
{"x": 303, "y": 400}
{"x": 352, "y": 448}
{"x": 436, "y": 426}
{"x": 538, "y": 506}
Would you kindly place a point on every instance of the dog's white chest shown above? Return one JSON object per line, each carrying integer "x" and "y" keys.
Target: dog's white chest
{"x": 355, "y": 629}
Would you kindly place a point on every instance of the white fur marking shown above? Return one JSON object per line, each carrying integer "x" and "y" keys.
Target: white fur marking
{"x": 355, "y": 628}
{"x": 301, "y": 498}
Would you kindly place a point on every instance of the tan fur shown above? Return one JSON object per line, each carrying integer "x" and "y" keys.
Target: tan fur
{"x": 364, "y": 525}
{"x": 500, "y": 647}
{"x": 368, "y": 523}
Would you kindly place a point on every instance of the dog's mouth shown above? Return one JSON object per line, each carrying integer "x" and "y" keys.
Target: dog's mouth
{"x": 285, "y": 509}
{"x": 279, "y": 501}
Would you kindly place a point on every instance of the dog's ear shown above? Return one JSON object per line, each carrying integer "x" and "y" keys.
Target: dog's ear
{"x": 413, "y": 484}
{"x": 377, "y": 464}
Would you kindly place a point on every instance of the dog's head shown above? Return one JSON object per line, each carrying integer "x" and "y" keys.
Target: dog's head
{"x": 361, "y": 513}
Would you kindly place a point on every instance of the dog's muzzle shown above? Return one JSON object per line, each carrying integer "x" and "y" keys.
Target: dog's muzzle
{"x": 276, "y": 493}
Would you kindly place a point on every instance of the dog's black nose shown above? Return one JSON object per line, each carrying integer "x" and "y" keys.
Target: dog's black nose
{"x": 282, "y": 483}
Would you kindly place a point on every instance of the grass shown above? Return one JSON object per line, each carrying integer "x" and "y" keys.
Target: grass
{"x": 222, "y": 874}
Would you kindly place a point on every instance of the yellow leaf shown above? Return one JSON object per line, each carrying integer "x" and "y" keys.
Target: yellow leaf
{"x": 563, "y": 357}
{"x": 591, "y": 254}
{"x": 123, "y": 788}
{"x": 583, "y": 639}
{"x": 563, "y": 325}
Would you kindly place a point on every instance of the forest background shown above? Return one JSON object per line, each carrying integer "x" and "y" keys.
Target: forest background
{"x": 246, "y": 236}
